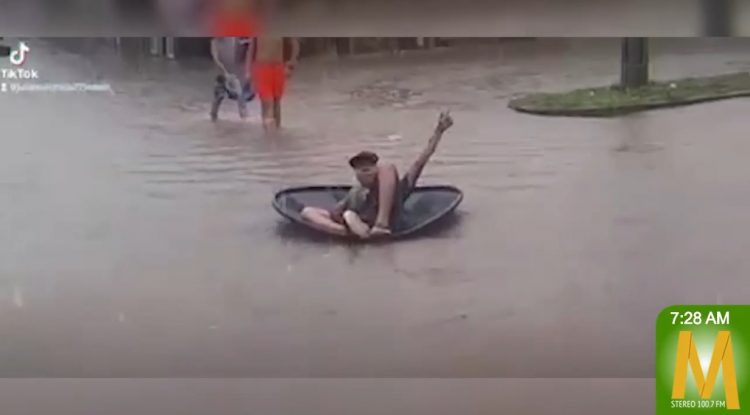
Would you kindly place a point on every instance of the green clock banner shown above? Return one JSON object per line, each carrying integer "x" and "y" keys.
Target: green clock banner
{"x": 702, "y": 361}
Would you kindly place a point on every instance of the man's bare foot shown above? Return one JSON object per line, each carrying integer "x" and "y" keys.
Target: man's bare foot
{"x": 356, "y": 224}
{"x": 445, "y": 121}
{"x": 377, "y": 231}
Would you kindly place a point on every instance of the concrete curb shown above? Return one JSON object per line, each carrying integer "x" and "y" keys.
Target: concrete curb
{"x": 624, "y": 110}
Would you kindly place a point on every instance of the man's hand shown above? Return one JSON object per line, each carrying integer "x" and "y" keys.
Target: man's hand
{"x": 290, "y": 66}
{"x": 444, "y": 122}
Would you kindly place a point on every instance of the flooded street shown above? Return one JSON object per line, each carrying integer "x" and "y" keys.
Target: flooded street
{"x": 139, "y": 239}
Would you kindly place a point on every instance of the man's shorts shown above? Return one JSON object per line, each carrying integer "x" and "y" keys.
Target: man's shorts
{"x": 269, "y": 80}
{"x": 403, "y": 191}
{"x": 365, "y": 206}
{"x": 229, "y": 88}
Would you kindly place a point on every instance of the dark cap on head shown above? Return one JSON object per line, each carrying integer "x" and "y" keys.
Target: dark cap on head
{"x": 363, "y": 157}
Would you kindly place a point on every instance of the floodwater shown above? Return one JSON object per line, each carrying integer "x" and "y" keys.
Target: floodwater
{"x": 139, "y": 240}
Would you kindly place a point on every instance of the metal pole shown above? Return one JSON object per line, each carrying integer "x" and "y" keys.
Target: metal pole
{"x": 155, "y": 46}
{"x": 717, "y": 17}
{"x": 170, "y": 47}
{"x": 4, "y": 50}
{"x": 634, "y": 63}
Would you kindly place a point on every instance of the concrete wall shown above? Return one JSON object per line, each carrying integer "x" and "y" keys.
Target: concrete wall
{"x": 342, "y": 46}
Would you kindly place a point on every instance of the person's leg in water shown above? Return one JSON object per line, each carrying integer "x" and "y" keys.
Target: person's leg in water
{"x": 279, "y": 84}
{"x": 242, "y": 108}
{"x": 266, "y": 111}
{"x": 263, "y": 78}
{"x": 220, "y": 93}
{"x": 277, "y": 113}
{"x": 244, "y": 99}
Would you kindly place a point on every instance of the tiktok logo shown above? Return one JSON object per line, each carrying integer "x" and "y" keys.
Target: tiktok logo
{"x": 18, "y": 57}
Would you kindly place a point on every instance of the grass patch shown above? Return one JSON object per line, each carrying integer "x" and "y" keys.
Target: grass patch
{"x": 612, "y": 100}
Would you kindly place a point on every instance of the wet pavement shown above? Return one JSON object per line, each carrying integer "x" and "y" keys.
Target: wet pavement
{"x": 139, "y": 240}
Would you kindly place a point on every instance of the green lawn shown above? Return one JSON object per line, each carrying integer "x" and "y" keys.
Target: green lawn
{"x": 608, "y": 101}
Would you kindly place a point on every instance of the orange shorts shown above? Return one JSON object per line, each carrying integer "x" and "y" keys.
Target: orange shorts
{"x": 269, "y": 80}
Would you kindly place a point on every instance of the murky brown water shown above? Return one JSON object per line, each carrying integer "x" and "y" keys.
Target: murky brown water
{"x": 325, "y": 396}
{"x": 138, "y": 238}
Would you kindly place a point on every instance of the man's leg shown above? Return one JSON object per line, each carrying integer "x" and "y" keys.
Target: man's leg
{"x": 415, "y": 171}
{"x": 220, "y": 93}
{"x": 279, "y": 85}
{"x": 321, "y": 219}
{"x": 277, "y": 112}
{"x": 264, "y": 89}
{"x": 242, "y": 105}
{"x": 266, "y": 111}
{"x": 387, "y": 182}
{"x": 356, "y": 224}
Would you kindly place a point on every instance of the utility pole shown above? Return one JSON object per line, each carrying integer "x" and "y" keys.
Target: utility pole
{"x": 155, "y": 46}
{"x": 634, "y": 62}
{"x": 169, "y": 48}
{"x": 4, "y": 50}
{"x": 717, "y": 17}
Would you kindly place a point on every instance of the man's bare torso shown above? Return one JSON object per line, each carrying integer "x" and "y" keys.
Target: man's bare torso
{"x": 269, "y": 49}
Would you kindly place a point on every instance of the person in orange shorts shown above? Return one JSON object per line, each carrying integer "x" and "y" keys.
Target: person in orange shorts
{"x": 273, "y": 61}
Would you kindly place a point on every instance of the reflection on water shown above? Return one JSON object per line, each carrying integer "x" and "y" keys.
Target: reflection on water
{"x": 139, "y": 239}
{"x": 17, "y": 297}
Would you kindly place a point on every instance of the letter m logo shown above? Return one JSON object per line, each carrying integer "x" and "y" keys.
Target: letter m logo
{"x": 722, "y": 356}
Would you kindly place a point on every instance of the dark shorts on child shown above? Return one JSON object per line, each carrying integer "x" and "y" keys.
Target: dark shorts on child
{"x": 362, "y": 201}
